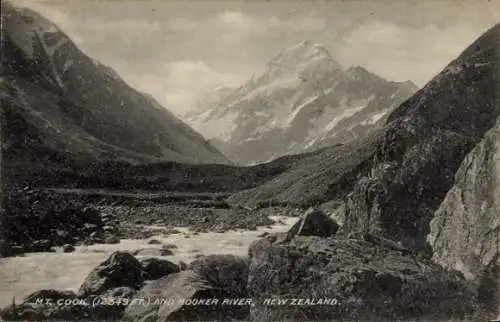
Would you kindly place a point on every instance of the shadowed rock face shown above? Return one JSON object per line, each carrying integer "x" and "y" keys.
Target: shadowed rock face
{"x": 424, "y": 143}
{"x": 465, "y": 232}
{"x": 213, "y": 278}
{"x": 314, "y": 223}
{"x": 367, "y": 281}
{"x": 60, "y": 103}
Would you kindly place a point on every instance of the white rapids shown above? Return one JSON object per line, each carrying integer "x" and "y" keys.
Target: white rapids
{"x": 21, "y": 276}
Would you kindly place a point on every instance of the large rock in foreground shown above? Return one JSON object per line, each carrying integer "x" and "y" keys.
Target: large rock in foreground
{"x": 195, "y": 294}
{"x": 314, "y": 223}
{"x": 355, "y": 280}
{"x": 121, "y": 269}
{"x": 157, "y": 268}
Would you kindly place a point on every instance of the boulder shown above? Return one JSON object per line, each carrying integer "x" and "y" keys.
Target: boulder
{"x": 154, "y": 242}
{"x": 49, "y": 294}
{"x": 314, "y": 223}
{"x": 153, "y": 252}
{"x": 109, "y": 228}
{"x": 172, "y": 231}
{"x": 5, "y": 249}
{"x": 113, "y": 304}
{"x": 120, "y": 269}
{"x": 179, "y": 296}
{"x": 88, "y": 242}
{"x": 351, "y": 280}
{"x": 225, "y": 271}
{"x": 41, "y": 246}
{"x": 43, "y": 305}
{"x": 182, "y": 266}
{"x": 166, "y": 252}
{"x": 92, "y": 215}
{"x": 96, "y": 234}
{"x": 91, "y": 227}
{"x": 112, "y": 239}
{"x": 16, "y": 250}
{"x": 157, "y": 268}
{"x": 99, "y": 240}
{"x": 67, "y": 248}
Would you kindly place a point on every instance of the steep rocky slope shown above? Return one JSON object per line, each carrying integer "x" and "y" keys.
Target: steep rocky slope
{"x": 58, "y": 102}
{"x": 465, "y": 231}
{"x": 410, "y": 167}
{"x": 301, "y": 101}
{"x": 425, "y": 141}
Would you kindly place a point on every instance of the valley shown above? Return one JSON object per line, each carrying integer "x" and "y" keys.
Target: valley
{"x": 311, "y": 180}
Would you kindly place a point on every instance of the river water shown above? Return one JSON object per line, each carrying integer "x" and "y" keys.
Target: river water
{"x": 20, "y": 276}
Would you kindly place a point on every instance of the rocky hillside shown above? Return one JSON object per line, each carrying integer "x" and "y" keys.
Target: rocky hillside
{"x": 325, "y": 278}
{"x": 465, "y": 230}
{"x": 424, "y": 143}
{"x": 408, "y": 169}
{"x": 59, "y": 103}
{"x": 301, "y": 101}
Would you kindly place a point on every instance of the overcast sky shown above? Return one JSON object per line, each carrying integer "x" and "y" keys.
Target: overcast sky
{"x": 179, "y": 50}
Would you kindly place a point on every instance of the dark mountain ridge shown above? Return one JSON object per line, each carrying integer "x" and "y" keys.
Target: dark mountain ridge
{"x": 72, "y": 104}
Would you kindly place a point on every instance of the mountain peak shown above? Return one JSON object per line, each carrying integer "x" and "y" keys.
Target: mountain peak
{"x": 306, "y": 45}
{"x": 304, "y": 58}
{"x": 357, "y": 72}
{"x": 300, "y": 54}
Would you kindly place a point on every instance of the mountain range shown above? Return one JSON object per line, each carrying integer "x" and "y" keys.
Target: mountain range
{"x": 59, "y": 104}
{"x": 428, "y": 179}
{"x": 301, "y": 101}
{"x": 415, "y": 188}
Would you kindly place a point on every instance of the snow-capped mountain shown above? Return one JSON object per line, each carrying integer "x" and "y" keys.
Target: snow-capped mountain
{"x": 302, "y": 100}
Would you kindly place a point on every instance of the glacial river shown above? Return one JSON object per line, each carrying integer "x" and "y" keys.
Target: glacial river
{"x": 20, "y": 276}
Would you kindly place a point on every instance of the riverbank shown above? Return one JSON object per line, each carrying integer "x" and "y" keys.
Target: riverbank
{"x": 20, "y": 276}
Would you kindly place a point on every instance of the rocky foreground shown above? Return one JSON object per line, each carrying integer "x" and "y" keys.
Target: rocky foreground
{"x": 40, "y": 220}
{"x": 308, "y": 273}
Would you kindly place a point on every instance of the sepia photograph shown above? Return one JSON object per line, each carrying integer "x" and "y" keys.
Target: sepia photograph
{"x": 250, "y": 160}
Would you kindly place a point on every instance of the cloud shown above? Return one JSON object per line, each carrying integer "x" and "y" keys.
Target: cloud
{"x": 236, "y": 22}
{"x": 62, "y": 19}
{"x": 122, "y": 26}
{"x": 178, "y": 51}
{"x": 181, "y": 24}
{"x": 180, "y": 84}
{"x": 401, "y": 53}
